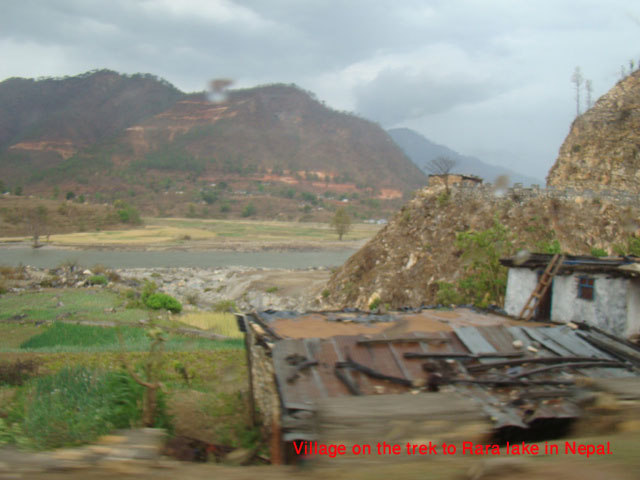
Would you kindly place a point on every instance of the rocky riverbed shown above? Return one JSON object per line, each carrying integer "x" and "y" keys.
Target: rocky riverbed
{"x": 249, "y": 288}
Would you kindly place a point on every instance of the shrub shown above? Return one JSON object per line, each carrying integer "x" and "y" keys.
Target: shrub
{"x": 225, "y": 306}
{"x": 157, "y": 301}
{"x": 551, "y": 247}
{"x": 193, "y": 298}
{"x": 634, "y": 246}
{"x": 149, "y": 288}
{"x": 249, "y": 210}
{"x": 443, "y": 198}
{"x": 98, "y": 280}
{"x": 375, "y": 303}
{"x": 127, "y": 213}
{"x": 598, "y": 252}
{"x": 448, "y": 294}
{"x": 18, "y": 371}
{"x": 485, "y": 280}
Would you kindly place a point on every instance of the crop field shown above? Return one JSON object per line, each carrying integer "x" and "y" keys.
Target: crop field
{"x": 65, "y": 351}
{"x": 66, "y": 337}
{"x": 216, "y": 322}
{"x": 204, "y": 232}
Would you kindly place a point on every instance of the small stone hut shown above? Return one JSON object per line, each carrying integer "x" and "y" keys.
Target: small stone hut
{"x": 603, "y": 292}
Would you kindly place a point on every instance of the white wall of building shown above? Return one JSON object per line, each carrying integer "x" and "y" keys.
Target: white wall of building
{"x": 633, "y": 307}
{"x": 607, "y": 310}
{"x": 520, "y": 285}
{"x": 614, "y": 308}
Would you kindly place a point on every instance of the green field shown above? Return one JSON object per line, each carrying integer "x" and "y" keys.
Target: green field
{"x": 63, "y": 381}
{"x": 69, "y": 305}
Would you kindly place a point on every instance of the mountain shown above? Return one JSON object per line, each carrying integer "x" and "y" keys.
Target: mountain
{"x": 271, "y": 132}
{"x": 45, "y": 121}
{"x": 103, "y": 134}
{"x": 602, "y": 150}
{"x": 421, "y": 150}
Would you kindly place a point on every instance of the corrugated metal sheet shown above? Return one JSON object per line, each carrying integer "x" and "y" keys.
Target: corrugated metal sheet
{"x": 301, "y": 388}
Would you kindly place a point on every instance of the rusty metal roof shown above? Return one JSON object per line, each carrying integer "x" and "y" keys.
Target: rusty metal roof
{"x": 488, "y": 363}
{"x": 289, "y": 324}
{"x": 626, "y": 265}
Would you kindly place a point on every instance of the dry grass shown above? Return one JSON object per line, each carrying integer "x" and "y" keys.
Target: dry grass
{"x": 152, "y": 234}
{"x": 216, "y": 322}
{"x": 184, "y": 232}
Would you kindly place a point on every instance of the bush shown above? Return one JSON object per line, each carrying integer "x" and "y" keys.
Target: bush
{"x": 225, "y": 306}
{"x": 375, "y": 303}
{"x": 127, "y": 213}
{"x": 633, "y": 246}
{"x": 149, "y": 288}
{"x": 98, "y": 280}
{"x": 448, "y": 294}
{"x": 598, "y": 252}
{"x": 157, "y": 301}
{"x": 249, "y": 210}
{"x": 18, "y": 371}
{"x": 485, "y": 279}
{"x": 551, "y": 247}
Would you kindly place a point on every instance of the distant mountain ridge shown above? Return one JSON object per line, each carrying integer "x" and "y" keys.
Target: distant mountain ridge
{"x": 103, "y": 133}
{"x": 421, "y": 150}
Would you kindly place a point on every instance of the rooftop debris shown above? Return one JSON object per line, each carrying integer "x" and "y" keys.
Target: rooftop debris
{"x": 426, "y": 351}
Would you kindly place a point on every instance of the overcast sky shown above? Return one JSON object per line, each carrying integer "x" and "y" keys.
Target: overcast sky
{"x": 489, "y": 78}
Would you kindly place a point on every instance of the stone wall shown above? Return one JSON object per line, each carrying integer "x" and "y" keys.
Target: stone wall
{"x": 517, "y": 192}
{"x": 265, "y": 392}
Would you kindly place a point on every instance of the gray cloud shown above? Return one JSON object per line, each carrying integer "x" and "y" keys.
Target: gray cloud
{"x": 430, "y": 64}
{"x": 396, "y": 95}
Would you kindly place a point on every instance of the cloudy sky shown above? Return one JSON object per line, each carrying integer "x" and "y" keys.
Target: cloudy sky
{"x": 489, "y": 78}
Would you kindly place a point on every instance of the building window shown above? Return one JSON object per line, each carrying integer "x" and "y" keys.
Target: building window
{"x": 585, "y": 288}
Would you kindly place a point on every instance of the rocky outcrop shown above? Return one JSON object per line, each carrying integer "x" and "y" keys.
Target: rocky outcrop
{"x": 404, "y": 262}
{"x": 602, "y": 150}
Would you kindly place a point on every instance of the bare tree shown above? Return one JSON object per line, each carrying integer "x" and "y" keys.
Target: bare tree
{"x": 577, "y": 80}
{"x": 441, "y": 166}
{"x": 588, "y": 86}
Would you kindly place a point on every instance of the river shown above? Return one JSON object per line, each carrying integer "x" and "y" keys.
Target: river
{"x": 50, "y": 257}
